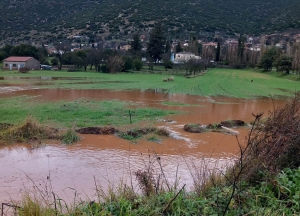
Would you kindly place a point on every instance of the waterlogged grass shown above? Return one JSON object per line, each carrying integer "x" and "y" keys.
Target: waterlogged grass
{"x": 70, "y": 137}
{"x": 170, "y": 103}
{"x": 154, "y": 139}
{"x": 81, "y": 113}
{"x": 216, "y": 82}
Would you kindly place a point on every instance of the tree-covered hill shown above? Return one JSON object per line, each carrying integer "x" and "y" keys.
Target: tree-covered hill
{"x": 119, "y": 17}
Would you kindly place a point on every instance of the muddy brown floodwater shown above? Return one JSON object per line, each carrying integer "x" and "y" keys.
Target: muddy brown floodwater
{"x": 66, "y": 169}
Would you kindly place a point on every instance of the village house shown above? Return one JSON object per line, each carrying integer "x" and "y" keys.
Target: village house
{"x": 125, "y": 47}
{"x": 185, "y": 56}
{"x": 17, "y": 62}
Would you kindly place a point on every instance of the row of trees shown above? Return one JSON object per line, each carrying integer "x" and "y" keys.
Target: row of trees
{"x": 24, "y": 50}
{"x": 275, "y": 58}
{"x": 104, "y": 60}
{"x": 159, "y": 48}
{"x": 265, "y": 58}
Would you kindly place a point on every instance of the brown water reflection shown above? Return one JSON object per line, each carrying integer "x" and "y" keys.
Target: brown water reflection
{"x": 109, "y": 158}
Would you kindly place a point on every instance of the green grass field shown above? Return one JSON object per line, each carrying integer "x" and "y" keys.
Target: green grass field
{"x": 81, "y": 113}
{"x": 216, "y": 82}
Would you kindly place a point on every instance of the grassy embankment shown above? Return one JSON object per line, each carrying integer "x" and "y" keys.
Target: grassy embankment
{"x": 217, "y": 82}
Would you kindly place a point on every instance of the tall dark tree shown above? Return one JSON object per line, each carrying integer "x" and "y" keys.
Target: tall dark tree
{"x": 136, "y": 45}
{"x": 24, "y": 50}
{"x": 241, "y": 48}
{"x": 218, "y": 52}
{"x": 268, "y": 58}
{"x": 62, "y": 48}
{"x": 178, "y": 48}
{"x": 157, "y": 41}
{"x": 283, "y": 63}
{"x": 168, "y": 46}
{"x": 6, "y": 49}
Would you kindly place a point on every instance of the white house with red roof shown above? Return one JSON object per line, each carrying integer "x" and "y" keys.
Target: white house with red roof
{"x": 17, "y": 62}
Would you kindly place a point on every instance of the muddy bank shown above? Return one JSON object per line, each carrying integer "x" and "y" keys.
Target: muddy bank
{"x": 130, "y": 134}
{"x": 222, "y": 127}
{"x": 97, "y": 130}
{"x": 232, "y": 123}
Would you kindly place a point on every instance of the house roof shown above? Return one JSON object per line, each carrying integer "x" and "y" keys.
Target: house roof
{"x": 17, "y": 59}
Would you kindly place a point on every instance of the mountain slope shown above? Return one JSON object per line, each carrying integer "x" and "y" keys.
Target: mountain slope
{"x": 117, "y": 17}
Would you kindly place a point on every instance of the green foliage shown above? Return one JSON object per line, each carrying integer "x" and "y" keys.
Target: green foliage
{"x": 104, "y": 69}
{"x": 168, "y": 64}
{"x": 70, "y": 137}
{"x": 61, "y": 113}
{"x": 283, "y": 63}
{"x": 2, "y": 55}
{"x": 136, "y": 45}
{"x": 157, "y": 41}
{"x": 268, "y": 58}
{"x": 178, "y": 48}
{"x": 24, "y": 50}
{"x": 126, "y": 136}
{"x": 128, "y": 63}
{"x": 137, "y": 64}
{"x": 54, "y": 61}
{"x": 154, "y": 139}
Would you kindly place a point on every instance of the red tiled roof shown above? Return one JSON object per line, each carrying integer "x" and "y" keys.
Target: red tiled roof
{"x": 17, "y": 59}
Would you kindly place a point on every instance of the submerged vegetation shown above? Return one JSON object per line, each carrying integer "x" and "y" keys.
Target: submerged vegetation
{"x": 136, "y": 133}
{"x": 70, "y": 137}
{"x": 264, "y": 180}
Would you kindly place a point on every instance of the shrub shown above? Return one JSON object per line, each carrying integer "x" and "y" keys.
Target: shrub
{"x": 115, "y": 64}
{"x": 70, "y": 137}
{"x": 273, "y": 145}
{"x": 54, "y": 61}
{"x": 24, "y": 69}
{"x": 137, "y": 64}
{"x": 128, "y": 63}
{"x": 104, "y": 69}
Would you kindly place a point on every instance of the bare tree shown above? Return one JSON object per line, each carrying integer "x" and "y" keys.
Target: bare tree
{"x": 61, "y": 49}
{"x": 194, "y": 65}
{"x": 115, "y": 64}
{"x": 296, "y": 57}
{"x": 94, "y": 58}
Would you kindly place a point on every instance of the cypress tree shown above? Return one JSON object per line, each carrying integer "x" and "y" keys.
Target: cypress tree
{"x": 157, "y": 42}
{"x": 218, "y": 52}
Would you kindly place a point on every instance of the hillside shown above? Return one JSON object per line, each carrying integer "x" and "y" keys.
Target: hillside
{"x": 25, "y": 19}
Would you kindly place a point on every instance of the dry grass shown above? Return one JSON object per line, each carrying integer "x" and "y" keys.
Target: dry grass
{"x": 162, "y": 132}
{"x": 274, "y": 144}
{"x": 28, "y": 131}
{"x": 33, "y": 207}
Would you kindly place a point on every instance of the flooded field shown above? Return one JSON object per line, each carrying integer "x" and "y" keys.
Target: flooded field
{"x": 109, "y": 158}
